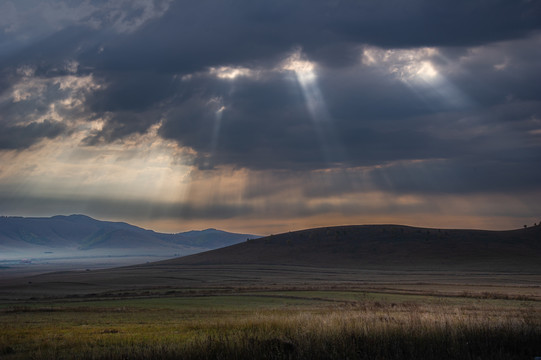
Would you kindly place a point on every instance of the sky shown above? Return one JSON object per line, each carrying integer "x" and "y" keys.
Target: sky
{"x": 270, "y": 116}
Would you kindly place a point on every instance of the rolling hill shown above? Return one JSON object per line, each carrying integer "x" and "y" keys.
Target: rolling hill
{"x": 380, "y": 246}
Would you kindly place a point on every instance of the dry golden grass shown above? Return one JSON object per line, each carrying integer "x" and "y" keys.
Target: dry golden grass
{"x": 387, "y": 328}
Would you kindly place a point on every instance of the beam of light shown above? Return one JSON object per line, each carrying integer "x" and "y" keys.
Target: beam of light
{"x": 216, "y": 128}
{"x": 144, "y": 168}
{"x": 217, "y": 109}
{"x": 305, "y": 73}
{"x": 416, "y": 69}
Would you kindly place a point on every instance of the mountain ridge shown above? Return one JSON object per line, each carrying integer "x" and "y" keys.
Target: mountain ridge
{"x": 81, "y": 232}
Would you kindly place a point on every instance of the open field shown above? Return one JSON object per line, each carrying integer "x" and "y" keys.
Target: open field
{"x": 350, "y": 297}
{"x": 272, "y": 324}
{"x": 157, "y": 279}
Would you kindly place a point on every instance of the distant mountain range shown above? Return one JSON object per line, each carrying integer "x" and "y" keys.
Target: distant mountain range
{"x": 384, "y": 246}
{"x": 80, "y": 232}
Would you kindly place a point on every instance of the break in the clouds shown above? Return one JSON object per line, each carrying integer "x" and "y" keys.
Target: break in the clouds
{"x": 278, "y": 113}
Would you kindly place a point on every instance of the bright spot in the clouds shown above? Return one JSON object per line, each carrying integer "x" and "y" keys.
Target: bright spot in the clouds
{"x": 416, "y": 68}
{"x": 304, "y": 70}
{"x": 231, "y": 73}
{"x": 406, "y": 64}
{"x": 426, "y": 71}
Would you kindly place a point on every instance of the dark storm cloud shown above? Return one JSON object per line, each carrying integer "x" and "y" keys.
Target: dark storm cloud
{"x": 190, "y": 36}
{"x": 155, "y": 69}
{"x": 265, "y": 123}
{"x": 436, "y": 23}
{"x": 193, "y": 35}
{"x": 461, "y": 176}
{"x": 266, "y": 118}
{"x": 130, "y": 91}
{"x": 499, "y": 72}
{"x": 131, "y": 103}
{"x": 23, "y": 136}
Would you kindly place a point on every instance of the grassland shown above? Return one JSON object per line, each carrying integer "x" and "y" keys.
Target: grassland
{"x": 272, "y": 324}
{"x": 369, "y": 292}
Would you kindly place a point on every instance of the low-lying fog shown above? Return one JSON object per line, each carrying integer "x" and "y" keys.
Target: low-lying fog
{"x": 24, "y": 263}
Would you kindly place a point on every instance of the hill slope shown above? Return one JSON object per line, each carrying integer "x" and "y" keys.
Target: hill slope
{"x": 384, "y": 245}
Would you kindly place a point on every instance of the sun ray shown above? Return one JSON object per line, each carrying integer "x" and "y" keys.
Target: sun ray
{"x": 217, "y": 124}
{"x": 306, "y": 76}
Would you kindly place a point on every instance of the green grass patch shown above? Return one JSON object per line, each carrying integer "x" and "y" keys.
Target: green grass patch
{"x": 190, "y": 303}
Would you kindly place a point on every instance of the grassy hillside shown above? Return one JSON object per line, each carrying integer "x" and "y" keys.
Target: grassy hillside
{"x": 385, "y": 245}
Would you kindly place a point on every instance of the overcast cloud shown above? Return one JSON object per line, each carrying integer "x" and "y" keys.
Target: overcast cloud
{"x": 243, "y": 107}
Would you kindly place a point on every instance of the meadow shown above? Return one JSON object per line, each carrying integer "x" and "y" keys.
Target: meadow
{"x": 359, "y": 292}
{"x": 272, "y": 324}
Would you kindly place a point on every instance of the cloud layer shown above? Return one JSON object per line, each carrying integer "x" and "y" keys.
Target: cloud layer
{"x": 326, "y": 98}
